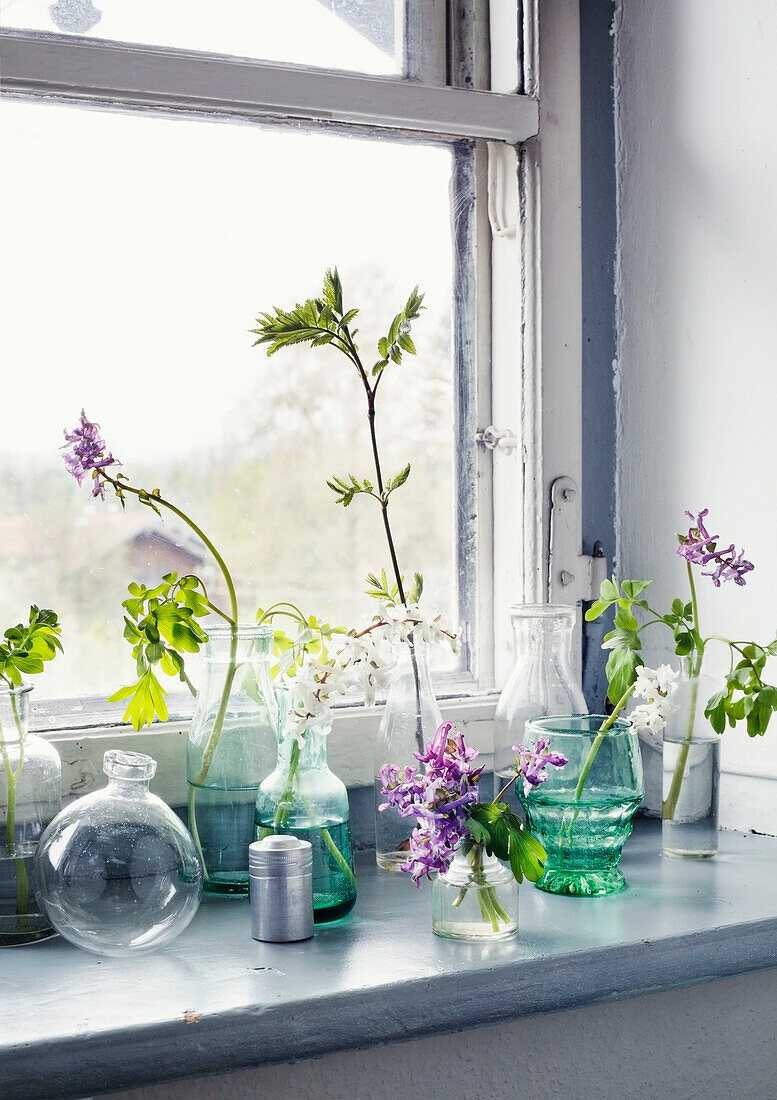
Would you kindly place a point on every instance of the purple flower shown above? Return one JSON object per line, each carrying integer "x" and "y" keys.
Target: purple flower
{"x": 533, "y": 762}
{"x": 86, "y": 451}
{"x": 699, "y": 547}
{"x": 436, "y": 797}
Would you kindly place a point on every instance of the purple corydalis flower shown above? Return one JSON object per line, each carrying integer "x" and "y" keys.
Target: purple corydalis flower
{"x": 85, "y": 451}
{"x": 533, "y": 762}
{"x": 436, "y": 797}
{"x": 699, "y": 547}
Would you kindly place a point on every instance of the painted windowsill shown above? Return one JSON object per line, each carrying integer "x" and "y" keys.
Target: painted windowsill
{"x": 76, "y": 1024}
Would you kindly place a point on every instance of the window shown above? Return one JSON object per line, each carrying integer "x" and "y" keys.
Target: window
{"x": 156, "y": 199}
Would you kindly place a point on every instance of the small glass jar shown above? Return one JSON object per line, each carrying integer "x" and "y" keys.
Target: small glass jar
{"x": 476, "y": 899}
{"x": 691, "y": 766}
{"x": 410, "y": 720}
{"x": 542, "y": 681}
{"x": 230, "y": 749}
{"x": 303, "y": 798}
{"x": 117, "y": 872}
{"x": 30, "y": 796}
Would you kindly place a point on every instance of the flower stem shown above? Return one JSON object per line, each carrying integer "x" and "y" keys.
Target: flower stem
{"x": 283, "y": 810}
{"x": 11, "y": 777}
{"x": 669, "y": 807}
{"x": 600, "y": 736}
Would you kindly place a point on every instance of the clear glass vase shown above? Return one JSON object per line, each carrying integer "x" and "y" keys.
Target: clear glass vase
{"x": 30, "y": 796}
{"x": 303, "y": 798}
{"x": 476, "y": 898}
{"x": 116, "y": 872}
{"x": 410, "y": 720}
{"x": 231, "y": 748}
{"x": 542, "y": 680}
{"x": 583, "y": 813}
{"x": 691, "y": 768}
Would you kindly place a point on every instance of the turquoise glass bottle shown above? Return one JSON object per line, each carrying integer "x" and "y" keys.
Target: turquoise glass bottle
{"x": 303, "y": 798}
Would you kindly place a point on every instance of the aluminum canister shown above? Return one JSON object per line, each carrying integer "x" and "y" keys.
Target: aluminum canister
{"x": 280, "y": 872}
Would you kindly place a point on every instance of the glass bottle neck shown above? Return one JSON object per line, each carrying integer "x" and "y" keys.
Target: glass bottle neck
{"x": 310, "y": 755}
{"x": 543, "y": 634}
{"x": 128, "y": 788}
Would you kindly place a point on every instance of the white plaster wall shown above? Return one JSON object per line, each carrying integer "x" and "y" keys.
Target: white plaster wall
{"x": 707, "y": 1042}
{"x": 696, "y": 284}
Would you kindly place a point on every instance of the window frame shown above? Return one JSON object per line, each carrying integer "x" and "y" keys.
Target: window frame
{"x": 524, "y": 325}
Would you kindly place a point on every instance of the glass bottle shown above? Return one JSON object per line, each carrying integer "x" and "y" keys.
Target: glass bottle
{"x": 476, "y": 898}
{"x": 30, "y": 796}
{"x": 116, "y": 871}
{"x": 230, "y": 750}
{"x": 303, "y": 798}
{"x": 409, "y": 722}
{"x": 542, "y": 680}
{"x": 691, "y": 769}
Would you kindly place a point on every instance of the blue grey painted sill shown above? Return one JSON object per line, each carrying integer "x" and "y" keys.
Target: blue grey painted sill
{"x": 75, "y": 1025}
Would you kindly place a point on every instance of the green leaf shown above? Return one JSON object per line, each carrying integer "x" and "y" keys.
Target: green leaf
{"x": 621, "y": 672}
{"x": 478, "y": 831}
{"x": 596, "y": 609}
{"x": 632, "y": 589}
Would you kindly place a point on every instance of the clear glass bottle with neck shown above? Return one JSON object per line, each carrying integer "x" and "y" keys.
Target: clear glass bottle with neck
{"x": 303, "y": 798}
{"x": 116, "y": 871}
{"x": 409, "y": 722}
{"x": 30, "y": 793}
{"x": 542, "y": 681}
{"x": 231, "y": 748}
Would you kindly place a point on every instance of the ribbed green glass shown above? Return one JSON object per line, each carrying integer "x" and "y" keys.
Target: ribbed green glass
{"x": 584, "y": 832}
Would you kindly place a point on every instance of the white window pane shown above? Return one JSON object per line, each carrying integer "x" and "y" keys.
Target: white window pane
{"x": 137, "y": 250}
{"x": 357, "y": 35}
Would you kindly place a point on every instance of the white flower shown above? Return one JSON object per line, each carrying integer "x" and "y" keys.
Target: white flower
{"x": 366, "y": 659}
{"x": 656, "y": 686}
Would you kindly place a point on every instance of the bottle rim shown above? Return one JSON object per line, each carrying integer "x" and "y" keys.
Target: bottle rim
{"x": 124, "y": 764}
{"x": 15, "y": 690}
{"x": 542, "y": 611}
{"x": 548, "y": 725}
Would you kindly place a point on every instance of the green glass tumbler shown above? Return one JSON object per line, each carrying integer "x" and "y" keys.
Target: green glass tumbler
{"x": 582, "y": 814}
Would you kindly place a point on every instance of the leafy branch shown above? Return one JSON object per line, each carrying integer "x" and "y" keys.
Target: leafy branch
{"x": 324, "y": 320}
{"x": 745, "y": 696}
{"x": 501, "y": 831}
{"x": 161, "y": 626}
{"x": 27, "y": 647}
{"x": 381, "y": 589}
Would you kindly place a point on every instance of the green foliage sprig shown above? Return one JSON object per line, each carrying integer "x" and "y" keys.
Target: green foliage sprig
{"x": 745, "y": 696}
{"x": 494, "y": 825}
{"x": 27, "y": 647}
{"x": 325, "y": 321}
{"x": 161, "y": 627}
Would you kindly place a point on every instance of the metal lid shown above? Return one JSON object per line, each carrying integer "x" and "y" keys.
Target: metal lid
{"x": 279, "y": 853}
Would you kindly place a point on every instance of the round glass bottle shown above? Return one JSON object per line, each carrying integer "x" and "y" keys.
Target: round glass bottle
{"x": 410, "y": 720}
{"x": 30, "y": 796}
{"x": 476, "y": 898}
{"x": 230, "y": 750}
{"x": 542, "y": 681}
{"x": 117, "y": 872}
{"x": 303, "y": 798}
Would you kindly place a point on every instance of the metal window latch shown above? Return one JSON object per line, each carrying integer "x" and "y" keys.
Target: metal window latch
{"x": 492, "y": 438}
{"x": 573, "y": 576}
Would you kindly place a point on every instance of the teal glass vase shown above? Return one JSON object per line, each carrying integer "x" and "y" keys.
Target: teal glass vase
{"x": 231, "y": 748}
{"x": 303, "y": 798}
{"x": 582, "y": 814}
{"x": 30, "y": 792}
